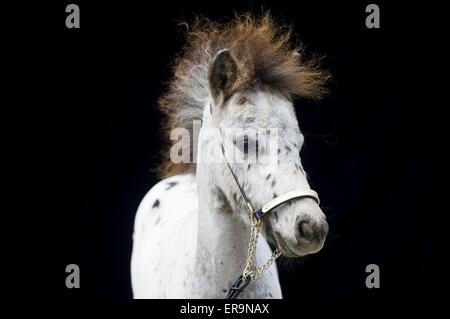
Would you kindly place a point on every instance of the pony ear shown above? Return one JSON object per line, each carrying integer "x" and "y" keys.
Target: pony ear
{"x": 223, "y": 75}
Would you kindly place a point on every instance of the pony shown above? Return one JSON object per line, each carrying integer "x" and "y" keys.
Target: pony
{"x": 192, "y": 231}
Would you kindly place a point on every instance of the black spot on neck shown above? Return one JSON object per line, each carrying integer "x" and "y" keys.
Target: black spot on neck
{"x": 268, "y": 176}
{"x": 156, "y": 203}
{"x": 170, "y": 185}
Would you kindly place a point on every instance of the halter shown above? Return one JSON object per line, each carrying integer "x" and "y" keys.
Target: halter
{"x": 249, "y": 274}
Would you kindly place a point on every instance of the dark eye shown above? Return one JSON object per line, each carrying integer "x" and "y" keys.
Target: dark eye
{"x": 246, "y": 144}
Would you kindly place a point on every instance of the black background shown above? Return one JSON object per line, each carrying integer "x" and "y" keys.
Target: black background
{"x": 373, "y": 149}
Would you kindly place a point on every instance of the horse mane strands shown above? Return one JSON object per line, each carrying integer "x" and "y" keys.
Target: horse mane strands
{"x": 266, "y": 57}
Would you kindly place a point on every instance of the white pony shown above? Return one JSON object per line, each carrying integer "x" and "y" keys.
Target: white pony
{"x": 192, "y": 229}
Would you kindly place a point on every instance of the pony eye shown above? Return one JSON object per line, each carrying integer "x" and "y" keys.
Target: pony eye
{"x": 246, "y": 145}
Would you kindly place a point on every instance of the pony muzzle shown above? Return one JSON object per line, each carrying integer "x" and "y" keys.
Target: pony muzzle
{"x": 308, "y": 235}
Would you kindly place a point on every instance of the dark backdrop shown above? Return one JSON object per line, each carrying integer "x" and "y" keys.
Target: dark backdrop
{"x": 372, "y": 149}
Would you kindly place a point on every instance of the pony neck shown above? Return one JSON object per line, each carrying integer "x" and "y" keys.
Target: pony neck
{"x": 222, "y": 237}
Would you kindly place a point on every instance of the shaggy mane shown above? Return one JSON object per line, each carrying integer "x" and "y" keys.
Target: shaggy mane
{"x": 266, "y": 58}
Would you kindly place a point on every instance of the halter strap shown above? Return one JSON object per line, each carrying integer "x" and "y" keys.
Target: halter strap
{"x": 247, "y": 201}
{"x": 277, "y": 201}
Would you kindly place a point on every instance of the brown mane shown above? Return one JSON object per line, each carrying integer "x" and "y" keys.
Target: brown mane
{"x": 265, "y": 56}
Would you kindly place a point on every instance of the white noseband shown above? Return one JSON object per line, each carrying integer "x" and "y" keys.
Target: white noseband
{"x": 285, "y": 198}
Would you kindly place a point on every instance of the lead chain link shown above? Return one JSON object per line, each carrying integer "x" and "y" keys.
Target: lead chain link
{"x": 251, "y": 253}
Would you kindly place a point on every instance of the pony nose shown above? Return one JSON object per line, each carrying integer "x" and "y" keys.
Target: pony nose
{"x": 311, "y": 231}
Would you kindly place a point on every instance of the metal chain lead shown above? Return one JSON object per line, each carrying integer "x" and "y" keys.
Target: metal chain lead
{"x": 248, "y": 271}
{"x": 276, "y": 253}
{"x": 251, "y": 252}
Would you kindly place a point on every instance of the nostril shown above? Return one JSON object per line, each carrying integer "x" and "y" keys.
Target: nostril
{"x": 300, "y": 229}
{"x": 305, "y": 230}
{"x": 312, "y": 231}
